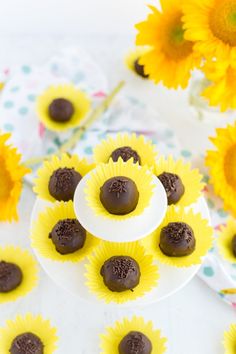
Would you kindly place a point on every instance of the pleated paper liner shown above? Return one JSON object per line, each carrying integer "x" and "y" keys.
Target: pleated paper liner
{"x": 41, "y": 242}
{"x": 202, "y": 231}
{"x": 106, "y": 250}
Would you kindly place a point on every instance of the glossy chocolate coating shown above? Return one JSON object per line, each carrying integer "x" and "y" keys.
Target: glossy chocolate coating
{"x": 234, "y": 245}
{"x": 119, "y": 195}
{"x": 173, "y": 186}
{"x": 120, "y": 273}
{"x": 177, "y": 239}
{"x": 126, "y": 153}
{"x": 10, "y": 276}
{"x": 63, "y": 183}
{"x": 61, "y": 110}
{"x": 135, "y": 343}
{"x": 68, "y": 236}
{"x": 139, "y": 69}
{"x": 27, "y": 343}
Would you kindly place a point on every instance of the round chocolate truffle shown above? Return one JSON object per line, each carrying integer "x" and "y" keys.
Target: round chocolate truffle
{"x": 68, "y": 236}
{"x": 234, "y": 245}
{"x": 126, "y": 153}
{"x": 173, "y": 186}
{"x": 177, "y": 239}
{"x": 61, "y": 110}
{"x": 10, "y": 276}
{"x": 119, "y": 195}
{"x": 139, "y": 69}
{"x": 63, "y": 183}
{"x": 120, "y": 273}
{"x": 27, "y": 343}
{"x": 135, "y": 343}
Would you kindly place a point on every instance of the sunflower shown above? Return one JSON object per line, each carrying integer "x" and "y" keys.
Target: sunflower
{"x": 74, "y": 103}
{"x": 171, "y": 57}
{"x": 111, "y": 339}
{"x": 225, "y": 240}
{"x": 212, "y": 24}
{"x": 222, "y": 166}
{"x": 222, "y": 88}
{"x": 11, "y": 175}
{"x": 230, "y": 340}
{"x": 28, "y": 324}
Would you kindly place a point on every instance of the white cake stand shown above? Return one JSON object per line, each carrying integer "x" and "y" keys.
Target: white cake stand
{"x": 70, "y": 276}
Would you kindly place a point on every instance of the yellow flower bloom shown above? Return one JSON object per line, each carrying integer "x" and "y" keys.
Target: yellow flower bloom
{"x": 230, "y": 340}
{"x": 224, "y": 241}
{"x": 222, "y": 88}
{"x": 212, "y": 24}
{"x": 78, "y": 98}
{"x": 222, "y": 166}
{"x": 29, "y": 323}
{"x": 171, "y": 58}
{"x": 111, "y": 340}
{"x": 11, "y": 175}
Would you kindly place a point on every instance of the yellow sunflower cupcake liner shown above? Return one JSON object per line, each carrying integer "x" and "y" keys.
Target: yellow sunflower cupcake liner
{"x": 45, "y": 172}
{"x": 203, "y": 233}
{"x": 225, "y": 240}
{"x": 191, "y": 178}
{"x": 141, "y": 176}
{"x": 106, "y": 250}
{"x": 229, "y": 341}
{"x": 109, "y": 342}
{"x": 144, "y": 148}
{"x": 29, "y": 269}
{"x": 42, "y": 227}
{"x": 133, "y": 56}
{"x": 79, "y": 99}
{"x": 29, "y": 323}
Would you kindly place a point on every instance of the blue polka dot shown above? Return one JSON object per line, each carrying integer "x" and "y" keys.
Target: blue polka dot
{"x": 186, "y": 153}
{"x": 31, "y": 98}
{"x": 26, "y": 69}
{"x": 54, "y": 67}
{"x": 208, "y": 271}
{"x": 169, "y": 133}
{"x": 15, "y": 89}
{"x": 221, "y": 295}
{"x": 8, "y": 104}
{"x": 234, "y": 265}
{"x": 171, "y": 146}
{"x": 23, "y": 111}
{"x": 102, "y": 135}
{"x": 88, "y": 150}
{"x": 233, "y": 276}
{"x": 50, "y": 150}
{"x": 78, "y": 77}
{"x": 8, "y": 127}
{"x": 222, "y": 213}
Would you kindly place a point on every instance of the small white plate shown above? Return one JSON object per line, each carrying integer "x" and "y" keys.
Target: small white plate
{"x": 71, "y": 276}
{"x": 127, "y": 230}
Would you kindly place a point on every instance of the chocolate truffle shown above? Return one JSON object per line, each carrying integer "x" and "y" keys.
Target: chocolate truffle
{"x": 126, "y": 153}
{"x": 10, "y": 276}
{"x": 135, "y": 343}
{"x": 61, "y": 110}
{"x": 68, "y": 236}
{"x": 139, "y": 69}
{"x": 119, "y": 195}
{"x": 177, "y": 239}
{"x": 63, "y": 183}
{"x": 173, "y": 186}
{"x": 120, "y": 273}
{"x": 27, "y": 343}
{"x": 234, "y": 245}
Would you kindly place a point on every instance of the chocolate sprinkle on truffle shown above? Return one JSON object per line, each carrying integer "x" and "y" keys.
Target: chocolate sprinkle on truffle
{"x": 10, "y": 276}
{"x": 68, "y": 236}
{"x": 61, "y": 110}
{"x": 177, "y": 240}
{"x": 63, "y": 183}
{"x": 139, "y": 69}
{"x": 173, "y": 186}
{"x": 27, "y": 343}
{"x": 126, "y": 153}
{"x": 120, "y": 273}
{"x": 234, "y": 245}
{"x": 135, "y": 343}
{"x": 119, "y": 195}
